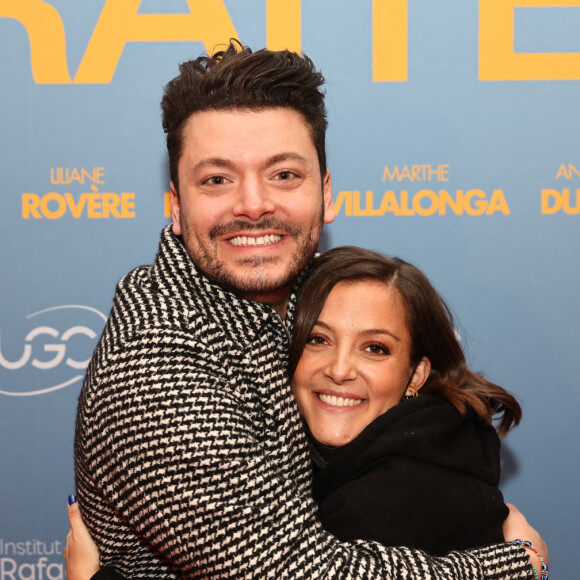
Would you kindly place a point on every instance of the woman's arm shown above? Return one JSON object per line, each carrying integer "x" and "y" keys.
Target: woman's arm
{"x": 516, "y": 527}
{"x": 81, "y": 555}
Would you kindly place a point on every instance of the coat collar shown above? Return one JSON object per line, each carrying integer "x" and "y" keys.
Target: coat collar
{"x": 174, "y": 274}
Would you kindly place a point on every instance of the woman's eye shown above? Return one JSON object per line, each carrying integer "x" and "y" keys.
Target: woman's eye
{"x": 316, "y": 339}
{"x": 377, "y": 348}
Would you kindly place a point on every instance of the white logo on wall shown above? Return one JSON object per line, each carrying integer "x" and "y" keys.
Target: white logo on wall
{"x": 36, "y": 565}
{"x": 56, "y": 350}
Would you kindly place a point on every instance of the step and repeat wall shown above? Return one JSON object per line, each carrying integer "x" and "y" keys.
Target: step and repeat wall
{"x": 454, "y": 142}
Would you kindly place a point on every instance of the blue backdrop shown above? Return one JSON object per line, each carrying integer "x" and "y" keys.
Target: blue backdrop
{"x": 453, "y": 142}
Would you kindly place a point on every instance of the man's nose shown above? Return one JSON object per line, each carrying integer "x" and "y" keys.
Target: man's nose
{"x": 253, "y": 199}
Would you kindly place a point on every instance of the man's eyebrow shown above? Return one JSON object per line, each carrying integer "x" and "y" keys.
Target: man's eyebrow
{"x": 213, "y": 162}
{"x": 221, "y": 162}
{"x": 285, "y": 156}
{"x": 384, "y": 331}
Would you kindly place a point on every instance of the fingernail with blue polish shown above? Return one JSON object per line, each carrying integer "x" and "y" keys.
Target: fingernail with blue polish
{"x": 72, "y": 498}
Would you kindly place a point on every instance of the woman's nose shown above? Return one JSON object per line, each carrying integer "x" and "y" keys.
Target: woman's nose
{"x": 341, "y": 367}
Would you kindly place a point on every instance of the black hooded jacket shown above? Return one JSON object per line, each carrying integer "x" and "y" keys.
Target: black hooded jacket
{"x": 421, "y": 475}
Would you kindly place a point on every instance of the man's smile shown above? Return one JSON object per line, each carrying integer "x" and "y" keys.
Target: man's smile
{"x": 266, "y": 240}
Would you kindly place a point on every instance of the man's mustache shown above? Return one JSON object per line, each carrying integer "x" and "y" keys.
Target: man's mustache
{"x": 269, "y": 223}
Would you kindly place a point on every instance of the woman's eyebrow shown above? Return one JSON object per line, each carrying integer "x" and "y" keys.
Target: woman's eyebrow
{"x": 384, "y": 331}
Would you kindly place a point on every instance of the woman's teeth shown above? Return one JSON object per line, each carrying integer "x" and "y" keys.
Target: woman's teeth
{"x": 338, "y": 401}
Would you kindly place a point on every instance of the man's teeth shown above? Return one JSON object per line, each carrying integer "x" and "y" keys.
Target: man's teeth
{"x": 338, "y": 401}
{"x": 251, "y": 241}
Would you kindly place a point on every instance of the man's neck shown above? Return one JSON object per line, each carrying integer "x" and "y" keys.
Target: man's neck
{"x": 277, "y": 300}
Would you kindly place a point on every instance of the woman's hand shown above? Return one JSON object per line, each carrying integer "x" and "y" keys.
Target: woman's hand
{"x": 516, "y": 527}
{"x": 81, "y": 555}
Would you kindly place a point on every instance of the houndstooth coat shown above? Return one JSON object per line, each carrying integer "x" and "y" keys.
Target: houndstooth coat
{"x": 189, "y": 453}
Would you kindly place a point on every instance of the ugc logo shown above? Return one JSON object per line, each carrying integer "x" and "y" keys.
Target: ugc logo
{"x": 55, "y": 350}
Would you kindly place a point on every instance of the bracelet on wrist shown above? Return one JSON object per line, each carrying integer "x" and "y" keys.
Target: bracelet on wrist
{"x": 544, "y": 566}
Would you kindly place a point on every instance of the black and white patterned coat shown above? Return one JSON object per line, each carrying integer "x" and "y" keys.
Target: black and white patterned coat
{"x": 190, "y": 457}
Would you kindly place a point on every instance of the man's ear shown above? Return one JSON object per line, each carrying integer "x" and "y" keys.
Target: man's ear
{"x": 329, "y": 213}
{"x": 175, "y": 210}
{"x": 420, "y": 376}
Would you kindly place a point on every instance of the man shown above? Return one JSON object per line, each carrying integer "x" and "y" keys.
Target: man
{"x": 190, "y": 455}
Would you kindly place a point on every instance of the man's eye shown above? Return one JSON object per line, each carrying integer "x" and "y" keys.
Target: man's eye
{"x": 216, "y": 180}
{"x": 285, "y": 175}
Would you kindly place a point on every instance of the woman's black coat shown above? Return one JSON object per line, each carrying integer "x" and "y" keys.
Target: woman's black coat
{"x": 421, "y": 475}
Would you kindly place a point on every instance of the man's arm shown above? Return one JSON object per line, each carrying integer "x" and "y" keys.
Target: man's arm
{"x": 82, "y": 556}
{"x": 180, "y": 459}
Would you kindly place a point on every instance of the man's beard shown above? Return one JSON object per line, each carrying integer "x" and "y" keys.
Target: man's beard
{"x": 255, "y": 279}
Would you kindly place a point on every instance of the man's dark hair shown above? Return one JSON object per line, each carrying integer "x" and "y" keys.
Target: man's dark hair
{"x": 237, "y": 78}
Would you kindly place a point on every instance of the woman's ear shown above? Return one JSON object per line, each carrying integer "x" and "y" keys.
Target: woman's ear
{"x": 420, "y": 376}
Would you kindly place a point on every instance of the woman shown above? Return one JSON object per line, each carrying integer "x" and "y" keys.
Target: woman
{"x": 400, "y": 428}
{"x": 371, "y": 331}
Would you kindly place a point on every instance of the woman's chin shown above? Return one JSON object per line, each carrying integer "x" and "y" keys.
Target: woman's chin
{"x": 333, "y": 439}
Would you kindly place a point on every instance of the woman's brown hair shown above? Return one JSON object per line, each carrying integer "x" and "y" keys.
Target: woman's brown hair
{"x": 430, "y": 324}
